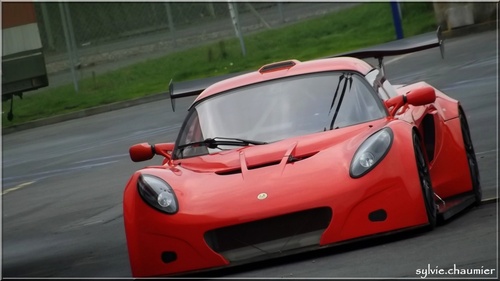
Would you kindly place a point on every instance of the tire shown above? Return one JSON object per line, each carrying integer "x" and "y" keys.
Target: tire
{"x": 425, "y": 183}
{"x": 471, "y": 158}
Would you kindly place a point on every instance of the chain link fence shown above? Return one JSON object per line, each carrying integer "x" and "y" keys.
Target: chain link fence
{"x": 100, "y": 32}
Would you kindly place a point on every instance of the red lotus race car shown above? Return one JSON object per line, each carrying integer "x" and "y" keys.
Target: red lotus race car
{"x": 297, "y": 156}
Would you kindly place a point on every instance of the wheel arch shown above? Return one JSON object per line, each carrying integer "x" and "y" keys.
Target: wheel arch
{"x": 426, "y": 134}
{"x": 426, "y": 182}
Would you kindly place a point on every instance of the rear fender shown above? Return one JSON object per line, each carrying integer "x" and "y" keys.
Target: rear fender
{"x": 446, "y": 106}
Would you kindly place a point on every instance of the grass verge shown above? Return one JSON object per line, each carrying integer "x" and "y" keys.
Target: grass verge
{"x": 361, "y": 26}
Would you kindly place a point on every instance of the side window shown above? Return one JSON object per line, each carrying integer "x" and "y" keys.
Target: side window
{"x": 360, "y": 105}
{"x": 372, "y": 76}
{"x": 389, "y": 89}
{"x": 382, "y": 92}
{"x": 191, "y": 132}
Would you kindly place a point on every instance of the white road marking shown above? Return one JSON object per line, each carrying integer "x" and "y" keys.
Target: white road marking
{"x": 486, "y": 152}
{"x": 489, "y": 200}
{"x": 102, "y": 158}
{"x": 103, "y": 217}
{"x": 17, "y": 187}
{"x": 46, "y": 174}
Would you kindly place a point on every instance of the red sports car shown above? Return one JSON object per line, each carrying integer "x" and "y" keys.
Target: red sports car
{"x": 297, "y": 156}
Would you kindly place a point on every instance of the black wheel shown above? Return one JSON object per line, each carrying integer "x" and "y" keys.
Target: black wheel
{"x": 471, "y": 158}
{"x": 425, "y": 182}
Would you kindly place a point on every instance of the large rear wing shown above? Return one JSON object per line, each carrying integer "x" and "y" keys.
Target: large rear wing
{"x": 393, "y": 48}
{"x": 399, "y": 47}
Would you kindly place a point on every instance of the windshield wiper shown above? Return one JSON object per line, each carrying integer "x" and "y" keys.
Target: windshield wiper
{"x": 215, "y": 142}
{"x": 348, "y": 79}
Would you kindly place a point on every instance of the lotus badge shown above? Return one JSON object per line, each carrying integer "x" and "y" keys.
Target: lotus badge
{"x": 262, "y": 196}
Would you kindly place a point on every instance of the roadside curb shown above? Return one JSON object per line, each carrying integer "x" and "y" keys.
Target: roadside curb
{"x": 84, "y": 113}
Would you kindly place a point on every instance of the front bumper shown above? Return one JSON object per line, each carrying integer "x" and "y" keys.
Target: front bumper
{"x": 217, "y": 227}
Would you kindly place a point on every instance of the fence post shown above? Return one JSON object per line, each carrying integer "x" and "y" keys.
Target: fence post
{"x": 68, "y": 44}
{"x": 46, "y": 24}
{"x": 233, "y": 11}
{"x": 71, "y": 34}
{"x": 171, "y": 23}
{"x": 211, "y": 9}
{"x": 280, "y": 11}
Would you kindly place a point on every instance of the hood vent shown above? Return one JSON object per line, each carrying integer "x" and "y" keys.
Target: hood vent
{"x": 253, "y": 167}
{"x": 229, "y": 172}
{"x": 291, "y": 159}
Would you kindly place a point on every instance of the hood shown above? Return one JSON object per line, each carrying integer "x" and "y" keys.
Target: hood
{"x": 280, "y": 152}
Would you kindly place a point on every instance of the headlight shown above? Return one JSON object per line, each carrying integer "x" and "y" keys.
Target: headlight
{"x": 157, "y": 193}
{"x": 371, "y": 152}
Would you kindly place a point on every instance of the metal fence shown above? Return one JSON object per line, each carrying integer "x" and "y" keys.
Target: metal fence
{"x": 100, "y": 32}
{"x": 97, "y": 22}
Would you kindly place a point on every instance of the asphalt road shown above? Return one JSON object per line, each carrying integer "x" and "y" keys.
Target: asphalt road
{"x": 63, "y": 186}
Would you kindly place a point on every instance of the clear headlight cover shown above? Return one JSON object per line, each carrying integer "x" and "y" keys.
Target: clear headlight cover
{"x": 157, "y": 193}
{"x": 371, "y": 152}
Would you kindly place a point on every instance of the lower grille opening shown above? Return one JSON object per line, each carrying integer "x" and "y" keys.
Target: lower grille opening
{"x": 271, "y": 235}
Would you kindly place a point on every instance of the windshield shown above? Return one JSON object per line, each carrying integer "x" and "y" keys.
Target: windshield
{"x": 280, "y": 109}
